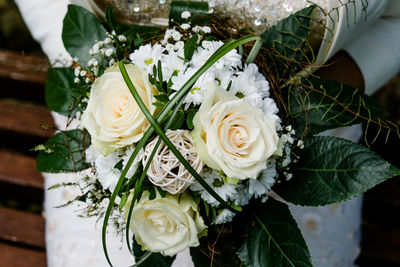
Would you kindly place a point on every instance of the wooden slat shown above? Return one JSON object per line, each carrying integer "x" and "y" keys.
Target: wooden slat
{"x": 23, "y": 67}
{"x": 22, "y": 228}
{"x": 19, "y": 169}
{"x": 380, "y": 244}
{"x": 25, "y": 119}
{"x": 12, "y": 256}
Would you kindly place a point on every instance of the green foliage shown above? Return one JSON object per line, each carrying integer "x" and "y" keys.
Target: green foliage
{"x": 177, "y": 7}
{"x": 81, "y": 30}
{"x": 61, "y": 93}
{"x": 64, "y": 152}
{"x": 190, "y": 47}
{"x": 274, "y": 239}
{"x": 150, "y": 260}
{"x": 288, "y": 41}
{"x": 332, "y": 170}
{"x": 317, "y": 105}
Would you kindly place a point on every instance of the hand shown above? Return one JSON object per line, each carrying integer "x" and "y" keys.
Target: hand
{"x": 341, "y": 67}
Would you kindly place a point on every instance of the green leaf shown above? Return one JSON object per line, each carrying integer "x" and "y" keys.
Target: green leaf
{"x": 65, "y": 152}
{"x": 288, "y": 35}
{"x": 332, "y": 170}
{"x": 275, "y": 239}
{"x": 154, "y": 259}
{"x": 162, "y": 98}
{"x": 317, "y": 105}
{"x": 61, "y": 91}
{"x": 177, "y": 7}
{"x": 190, "y": 47}
{"x": 189, "y": 120}
{"x": 110, "y": 18}
{"x": 178, "y": 121}
{"x": 81, "y": 30}
{"x": 288, "y": 39}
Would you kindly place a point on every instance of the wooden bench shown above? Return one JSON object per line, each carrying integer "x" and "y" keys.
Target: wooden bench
{"x": 21, "y": 186}
{"x": 22, "y": 242}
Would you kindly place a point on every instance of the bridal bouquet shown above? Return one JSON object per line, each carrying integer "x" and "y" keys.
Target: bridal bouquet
{"x": 186, "y": 136}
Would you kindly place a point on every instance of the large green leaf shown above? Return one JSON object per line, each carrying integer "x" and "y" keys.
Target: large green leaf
{"x": 177, "y": 7}
{"x": 64, "y": 152}
{"x": 61, "y": 91}
{"x": 289, "y": 36}
{"x": 316, "y": 105}
{"x": 81, "y": 30}
{"x": 154, "y": 259}
{"x": 332, "y": 170}
{"x": 274, "y": 240}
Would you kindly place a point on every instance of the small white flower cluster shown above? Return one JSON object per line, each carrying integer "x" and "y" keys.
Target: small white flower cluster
{"x": 94, "y": 201}
{"x": 105, "y": 166}
{"x": 234, "y": 191}
{"x": 288, "y": 141}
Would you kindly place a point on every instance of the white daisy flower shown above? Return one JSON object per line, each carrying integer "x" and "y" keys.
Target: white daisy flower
{"x": 231, "y": 60}
{"x": 126, "y": 154}
{"x": 196, "y": 94}
{"x": 250, "y": 81}
{"x": 171, "y": 63}
{"x": 224, "y": 217}
{"x": 225, "y": 191}
{"x": 108, "y": 175}
{"x": 92, "y": 154}
{"x": 146, "y": 56}
{"x": 262, "y": 185}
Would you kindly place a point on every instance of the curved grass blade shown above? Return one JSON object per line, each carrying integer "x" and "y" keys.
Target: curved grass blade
{"x": 223, "y": 50}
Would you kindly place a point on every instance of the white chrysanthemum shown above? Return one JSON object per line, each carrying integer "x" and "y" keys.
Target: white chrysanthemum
{"x": 196, "y": 94}
{"x": 269, "y": 108}
{"x": 126, "y": 154}
{"x": 262, "y": 185}
{"x": 92, "y": 154}
{"x": 171, "y": 63}
{"x": 243, "y": 196}
{"x": 231, "y": 60}
{"x": 250, "y": 81}
{"x": 146, "y": 56}
{"x": 108, "y": 175}
{"x": 224, "y": 217}
{"x": 225, "y": 191}
{"x": 223, "y": 76}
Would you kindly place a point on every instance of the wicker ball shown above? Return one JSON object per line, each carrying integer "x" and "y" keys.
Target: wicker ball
{"x": 165, "y": 170}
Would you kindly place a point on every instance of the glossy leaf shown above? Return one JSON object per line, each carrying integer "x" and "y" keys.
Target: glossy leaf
{"x": 332, "y": 170}
{"x": 81, "y": 30}
{"x": 274, "y": 239}
{"x": 64, "y": 152}
{"x": 177, "y": 7}
{"x": 61, "y": 91}
{"x": 317, "y": 105}
{"x": 288, "y": 37}
{"x": 190, "y": 47}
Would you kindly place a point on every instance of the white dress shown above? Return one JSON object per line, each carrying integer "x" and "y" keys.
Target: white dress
{"x": 332, "y": 232}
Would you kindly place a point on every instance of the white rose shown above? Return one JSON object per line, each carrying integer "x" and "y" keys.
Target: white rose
{"x": 112, "y": 117}
{"x": 167, "y": 225}
{"x": 233, "y": 136}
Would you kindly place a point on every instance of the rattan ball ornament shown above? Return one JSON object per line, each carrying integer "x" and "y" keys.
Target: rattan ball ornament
{"x": 165, "y": 170}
